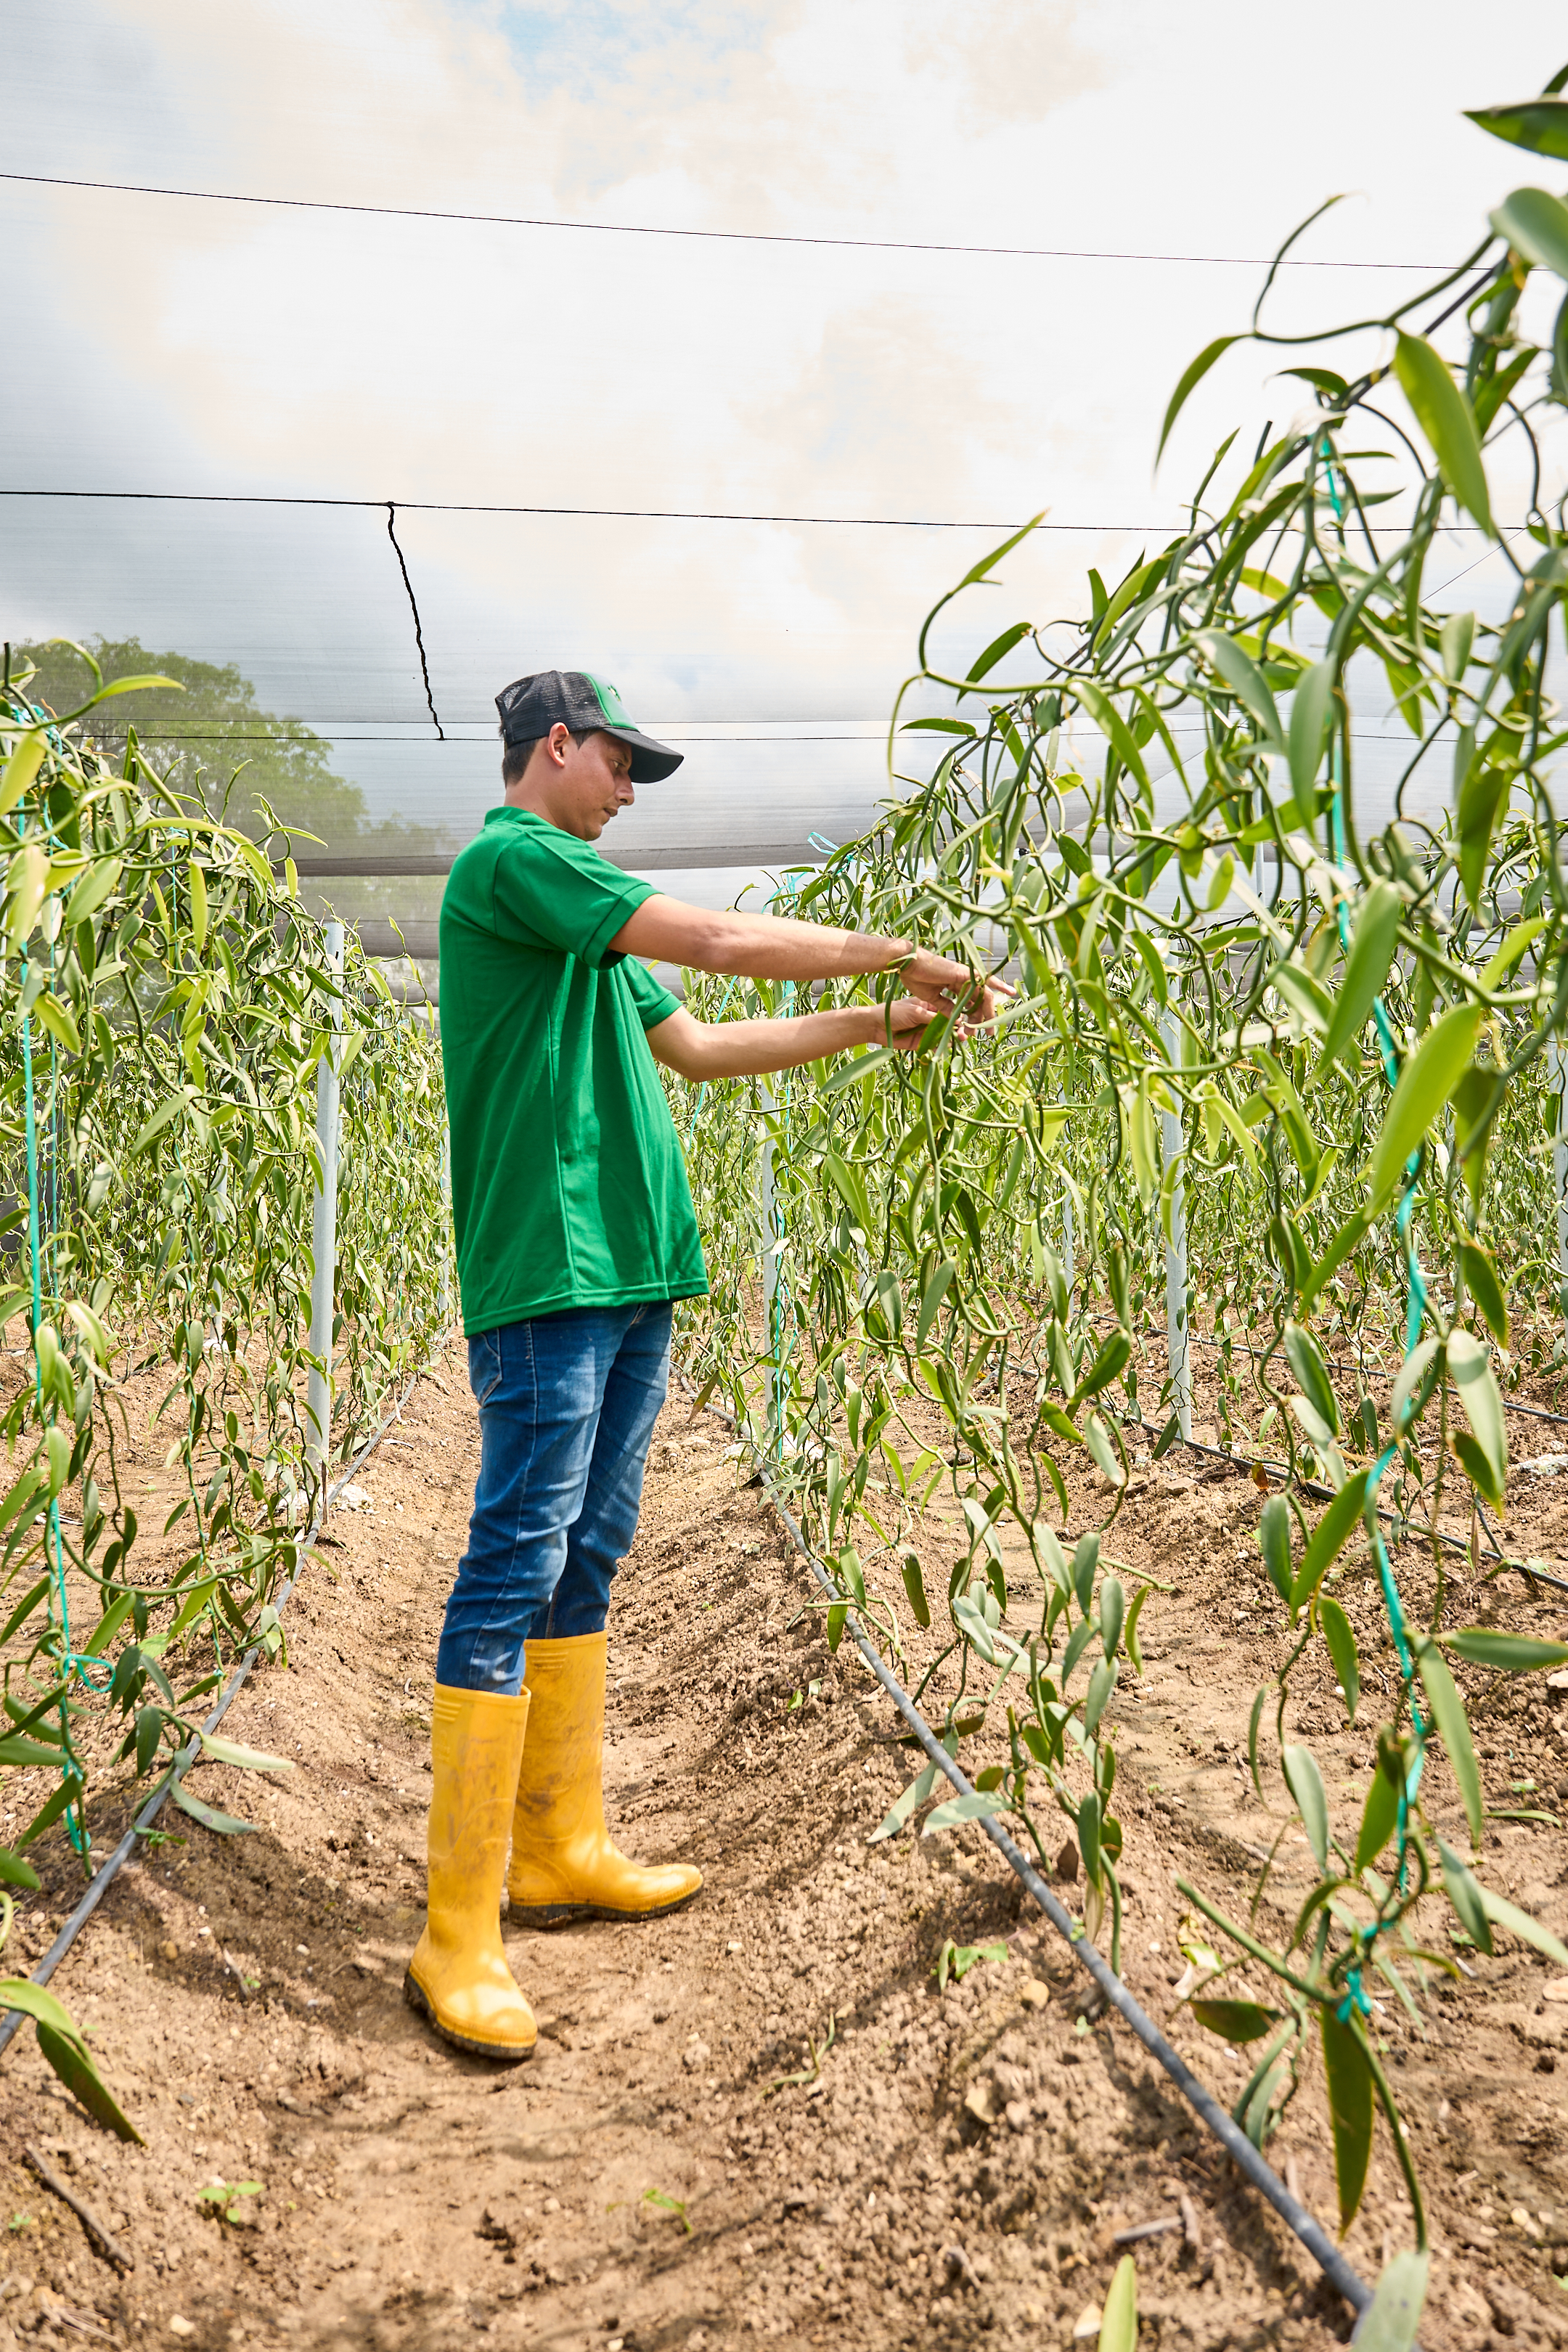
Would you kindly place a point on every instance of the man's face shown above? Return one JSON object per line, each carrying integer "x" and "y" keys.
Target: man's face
{"x": 586, "y": 783}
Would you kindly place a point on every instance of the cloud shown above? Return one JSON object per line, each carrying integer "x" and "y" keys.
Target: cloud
{"x": 1018, "y": 60}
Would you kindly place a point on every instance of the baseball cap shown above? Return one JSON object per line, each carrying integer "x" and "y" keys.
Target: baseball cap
{"x": 530, "y": 706}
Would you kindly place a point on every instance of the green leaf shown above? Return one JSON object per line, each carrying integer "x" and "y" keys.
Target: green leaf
{"x": 1305, "y": 1359}
{"x": 1444, "y": 416}
{"x": 1350, "y": 2084}
{"x": 1506, "y": 1653}
{"x": 1310, "y": 713}
{"x": 21, "y": 768}
{"x": 914, "y": 1587}
{"x": 1455, "y": 639}
{"x": 1108, "y": 719}
{"x": 166, "y": 1111}
{"x": 1465, "y": 1894}
{"x": 1411, "y": 1376}
{"x": 1112, "y": 1607}
{"x": 1234, "y": 2021}
{"x": 1366, "y": 969}
{"x": 1104, "y": 1453}
{"x": 1390, "y": 2321}
{"x": 1536, "y": 226}
{"x": 1469, "y": 1368}
{"x": 14, "y": 1872}
{"x": 935, "y": 1291}
{"x": 224, "y": 1824}
{"x": 68, "y": 2057}
{"x": 995, "y": 650}
{"x": 17, "y": 1754}
{"x": 90, "y": 892}
{"x": 1118, "y": 2319}
{"x": 1341, "y": 1643}
{"x": 1305, "y": 1783}
{"x": 1481, "y": 1281}
{"x": 1426, "y": 1082}
{"x": 979, "y": 1805}
{"x": 913, "y": 1797}
{"x": 1329, "y": 1537}
{"x": 1104, "y": 1368}
{"x": 1101, "y": 1683}
{"x": 1379, "y": 1820}
{"x": 1131, "y": 1633}
{"x": 1274, "y": 1543}
{"x": 971, "y": 1624}
{"x": 1192, "y": 377}
{"x": 1514, "y": 1922}
{"x": 1453, "y": 1728}
{"x": 1246, "y": 681}
{"x": 1089, "y": 1838}
{"x": 254, "y": 1759}
{"x": 850, "y": 1072}
{"x": 1540, "y": 124}
{"x": 1303, "y": 994}
{"x": 1084, "y": 1561}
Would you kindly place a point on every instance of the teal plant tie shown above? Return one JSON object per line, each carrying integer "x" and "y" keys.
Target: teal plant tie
{"x": 1416, "y": 1307}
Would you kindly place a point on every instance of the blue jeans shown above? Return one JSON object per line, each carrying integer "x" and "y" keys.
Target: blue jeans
{"x": 567, "y": 1405}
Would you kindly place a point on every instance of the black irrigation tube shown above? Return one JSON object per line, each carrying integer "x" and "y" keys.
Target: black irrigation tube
{"x": 1347, "y": 2281}
{"x": 1418, "y": 1529}
{"x": 1358, "y": 1371}
{"x": 105, "y": 1878}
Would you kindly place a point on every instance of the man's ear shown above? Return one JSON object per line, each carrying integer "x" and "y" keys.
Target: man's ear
{"x": 556, "y": 743}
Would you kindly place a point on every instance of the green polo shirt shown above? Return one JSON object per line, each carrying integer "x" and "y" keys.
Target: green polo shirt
{"x": 568, "y": 1184}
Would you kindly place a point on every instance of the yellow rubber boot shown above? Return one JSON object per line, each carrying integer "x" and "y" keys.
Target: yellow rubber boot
{"x": 564, "y": 1865}
{"x": 458, "y": 1977}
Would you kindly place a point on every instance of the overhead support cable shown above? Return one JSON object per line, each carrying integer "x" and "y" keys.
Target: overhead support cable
{"x": 603, "y": 514}
{"x": 701, "y": 236}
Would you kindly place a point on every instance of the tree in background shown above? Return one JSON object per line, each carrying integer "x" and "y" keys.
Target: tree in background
{"x": 215, "y": 739}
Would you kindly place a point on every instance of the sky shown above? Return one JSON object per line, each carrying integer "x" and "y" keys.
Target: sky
{"x": 163, "y": 343}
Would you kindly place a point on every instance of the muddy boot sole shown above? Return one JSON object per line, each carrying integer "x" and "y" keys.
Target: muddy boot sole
{"x": 419, "y": 2002}
{"x": 561, "y": 1915}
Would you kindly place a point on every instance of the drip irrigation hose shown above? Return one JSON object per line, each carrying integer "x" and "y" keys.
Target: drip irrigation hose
{"x": 1347, "y": 2281}
{"x": 105, "y": 1878}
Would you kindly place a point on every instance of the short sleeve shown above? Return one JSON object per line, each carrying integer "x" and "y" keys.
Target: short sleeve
{"x": 551, "y": 890}
{"x": 654, "y": 1002}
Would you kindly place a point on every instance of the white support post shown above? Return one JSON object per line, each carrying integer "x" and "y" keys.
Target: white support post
{"x": 1560, "y": 1170}
{"x": 1177, "y": 1351}
{"x": 765, "y": 1202}
{"x": 1070, "y": 1239}
{"x": 445, "y": 1230}
{"x": 769, "y": 1104}
{"x": 324, "y": 1220}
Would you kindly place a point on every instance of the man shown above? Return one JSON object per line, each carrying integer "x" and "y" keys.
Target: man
{"x": 574, "y": 1234}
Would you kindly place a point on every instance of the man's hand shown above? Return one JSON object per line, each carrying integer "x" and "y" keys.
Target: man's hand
{"x": 940, "y": 981}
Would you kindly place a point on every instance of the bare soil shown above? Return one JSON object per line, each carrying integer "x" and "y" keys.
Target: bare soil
{"x": 758, "y": 2117}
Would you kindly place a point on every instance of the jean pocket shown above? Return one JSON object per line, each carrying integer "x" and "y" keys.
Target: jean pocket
{"x": 484, "y": 1366}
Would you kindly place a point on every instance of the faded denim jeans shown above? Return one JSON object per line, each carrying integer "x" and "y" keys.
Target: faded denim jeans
{"x": 567, "y": 1405}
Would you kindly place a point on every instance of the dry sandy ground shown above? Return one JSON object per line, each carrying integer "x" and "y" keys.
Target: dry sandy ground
{"x": 759, "y": 2118}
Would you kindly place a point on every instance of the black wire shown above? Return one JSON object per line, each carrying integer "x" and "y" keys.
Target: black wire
{"x": 419, "y": 631}
{"x": 709, "y": 236}
{"x": 604, "y": 514}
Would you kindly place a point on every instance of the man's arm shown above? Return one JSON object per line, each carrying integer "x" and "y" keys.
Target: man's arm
{"x": 743, "y": 1049}
{"x": 769, "y": 947}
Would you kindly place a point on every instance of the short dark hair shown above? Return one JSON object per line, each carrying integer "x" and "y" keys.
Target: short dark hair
{"x": 516, "y": 756}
